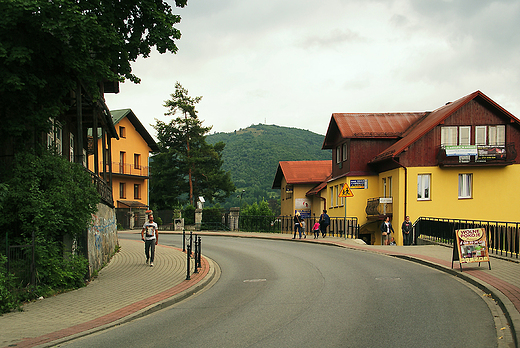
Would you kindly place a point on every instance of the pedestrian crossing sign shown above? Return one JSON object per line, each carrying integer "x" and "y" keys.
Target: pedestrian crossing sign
{"x": 346, "y": 191}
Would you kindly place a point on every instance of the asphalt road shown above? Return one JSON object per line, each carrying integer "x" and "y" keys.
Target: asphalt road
{"x": 284, "y": 294}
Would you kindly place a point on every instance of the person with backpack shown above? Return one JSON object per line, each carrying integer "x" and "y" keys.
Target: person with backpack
{"x": 324, "y": 222}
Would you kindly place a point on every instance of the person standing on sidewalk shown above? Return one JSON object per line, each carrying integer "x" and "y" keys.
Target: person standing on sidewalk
{"x": 316, "y": 229}
{"x": 150, "y": 236}
{"x": 406, "y": 228}
{"x": 297, "y": 225}
{"x": 324, "y": 222}
{"x": 386, "y": 231}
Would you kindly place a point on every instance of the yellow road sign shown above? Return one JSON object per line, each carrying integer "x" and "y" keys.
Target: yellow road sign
{"x": 346, "y": 191}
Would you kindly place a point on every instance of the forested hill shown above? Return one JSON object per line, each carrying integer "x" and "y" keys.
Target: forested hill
{"x": 252, "y": 156}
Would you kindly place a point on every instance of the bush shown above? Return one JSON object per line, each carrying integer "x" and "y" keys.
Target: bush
{"x": 189, "y": 215}
{"x": 8, "y": 300}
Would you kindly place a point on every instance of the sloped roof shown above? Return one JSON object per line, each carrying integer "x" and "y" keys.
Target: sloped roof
{"x": 302, "y": 172}
{"x": 118, "y": 115}
{"x": 369, "y": 125}
{"x": 435, "y": 118}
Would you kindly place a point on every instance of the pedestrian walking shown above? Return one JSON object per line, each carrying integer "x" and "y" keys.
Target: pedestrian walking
{"x": 386, "y": 231}
{"x": 297, "y": 225}
{"x": 150, "y": 236}
{"x": 324, "y": 222}
{"x": 316, "y": 228}
{"x": 406, "y": 228}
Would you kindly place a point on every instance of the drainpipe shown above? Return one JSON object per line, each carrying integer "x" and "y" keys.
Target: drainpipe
{"x": 405, "y": 185}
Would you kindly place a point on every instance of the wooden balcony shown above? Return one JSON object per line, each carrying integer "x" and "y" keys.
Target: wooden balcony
{"x": 476, "y": 155}
{"x": 379, "y": 207}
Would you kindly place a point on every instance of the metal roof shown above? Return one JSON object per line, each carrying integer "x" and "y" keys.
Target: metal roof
{"x": 302, "y": 172}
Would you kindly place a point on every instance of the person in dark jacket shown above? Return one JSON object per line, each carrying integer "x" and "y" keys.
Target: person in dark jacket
{"x": 386, "y": 231}
{"x": 406, "y": 228}
{"x": 297, "y": 225}
{"x": 324, "y": 222}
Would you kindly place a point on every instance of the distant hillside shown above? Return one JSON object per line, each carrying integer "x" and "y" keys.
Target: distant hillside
{"x": 252, "y": 156}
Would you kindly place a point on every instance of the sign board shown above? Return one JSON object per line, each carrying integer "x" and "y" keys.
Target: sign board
{"x": 359, "y": 184}
{"x": 346, "y": 191}
{"x": 461, "y": 150}
{"x": 386, "y": 200}
{"x": 470, "y": 246}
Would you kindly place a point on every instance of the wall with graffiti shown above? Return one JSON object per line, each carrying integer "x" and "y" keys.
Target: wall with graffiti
{"x": 102, "y": 237}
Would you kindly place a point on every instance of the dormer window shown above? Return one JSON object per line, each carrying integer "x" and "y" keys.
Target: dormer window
{"x": 338, "y": 154}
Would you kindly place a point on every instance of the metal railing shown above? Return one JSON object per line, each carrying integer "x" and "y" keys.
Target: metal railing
{"x": 503, "y": 237}
{"x": 192, "y": 246}
{"x": 126, "y": 168}
{"x": 102, "y": 187}
{"x": 335, "y": 229}
{"x": 379, "y": 206}
{"x": 486, "y": 155}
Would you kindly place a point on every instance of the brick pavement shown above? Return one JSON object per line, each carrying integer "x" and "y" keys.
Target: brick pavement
{"x": 125, "y": 288}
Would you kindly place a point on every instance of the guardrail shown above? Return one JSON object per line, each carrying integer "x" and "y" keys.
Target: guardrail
{"x": 503, "y": 237}
{"x": 192, "y": 245}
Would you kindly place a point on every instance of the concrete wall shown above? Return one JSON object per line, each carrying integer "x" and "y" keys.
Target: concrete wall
{"x": 101, "y": 237}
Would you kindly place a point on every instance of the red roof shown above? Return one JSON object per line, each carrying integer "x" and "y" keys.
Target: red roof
{"x": 433, "y": 119}
{"x": 302, "y": 172}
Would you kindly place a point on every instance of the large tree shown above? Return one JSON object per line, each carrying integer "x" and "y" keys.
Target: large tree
{"x": 47, "y": 47}
{"x": 187, "y": 166}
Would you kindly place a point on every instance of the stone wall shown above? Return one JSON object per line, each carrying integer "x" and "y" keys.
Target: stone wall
{"x": 101, "y": 237}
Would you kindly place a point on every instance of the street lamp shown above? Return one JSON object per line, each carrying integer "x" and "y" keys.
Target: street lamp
{"x": 241, "y": 194}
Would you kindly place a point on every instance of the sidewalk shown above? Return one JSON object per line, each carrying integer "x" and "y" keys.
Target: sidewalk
{"x": 127, "y": 288}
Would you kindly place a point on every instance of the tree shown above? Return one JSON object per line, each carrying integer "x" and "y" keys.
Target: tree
{"x": 186, "y": 166}
{"x": 48, "y": 47}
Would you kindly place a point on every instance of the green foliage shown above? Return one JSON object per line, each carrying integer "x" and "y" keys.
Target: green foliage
{"x": 212, "y": 218}
{"x": 188, "y": 213}
{"x": 50, "y": 195}
{"x": 8, "y": 299}
{"x": 187, "y": 166}
{"x": 257, "y": 209}
{"x": 46, "y": 47}
{"x": 252, "y": 155}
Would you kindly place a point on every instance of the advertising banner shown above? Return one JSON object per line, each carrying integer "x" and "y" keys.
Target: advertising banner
{"x": 358, "y": 183}
{"x": 471, "y": 246}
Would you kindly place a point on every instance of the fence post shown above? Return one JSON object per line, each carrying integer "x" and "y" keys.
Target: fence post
{"x": 196, "y": 270}
{"x": 188, "y": 255}
{"x": 199, "y": 265}
{"x": 183, "y": 240}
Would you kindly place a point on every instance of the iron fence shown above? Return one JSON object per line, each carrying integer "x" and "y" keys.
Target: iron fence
{"x": 337, "y": 228}
{"x": 503, "y": 237}
{"x": 21, "y": 262}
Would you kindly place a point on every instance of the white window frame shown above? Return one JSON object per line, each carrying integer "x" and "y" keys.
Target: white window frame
{"x": 71, "y": 147}
{"x": 465, "y": 185}
{"x": 331, "y": 196}
{"x": 449, "y": 135}
{"x": 481, "y": 135}
{"x": 424, "y": 187}
{"x": 497, "y": 135}
{"x": 464, "y": 135}
{"x": 336, "y": 193}
{"x": 338, "y": 154}
{"x": 345, "y": 153}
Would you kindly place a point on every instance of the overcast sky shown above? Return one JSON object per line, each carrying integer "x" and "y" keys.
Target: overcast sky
{"x": 295, "y": 62}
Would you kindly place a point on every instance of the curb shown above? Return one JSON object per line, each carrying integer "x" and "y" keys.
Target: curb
{"x": 209, "y": 279}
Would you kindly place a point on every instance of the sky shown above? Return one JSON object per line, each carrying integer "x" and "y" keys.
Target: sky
{"x": 293, "y": 63}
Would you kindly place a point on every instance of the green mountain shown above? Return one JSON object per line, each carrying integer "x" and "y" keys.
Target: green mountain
{"x": 251, "y": 156}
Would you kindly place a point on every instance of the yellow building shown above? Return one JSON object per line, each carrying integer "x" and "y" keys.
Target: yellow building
{"x": 458, "y": 161}
{"x": 129, "y": 158}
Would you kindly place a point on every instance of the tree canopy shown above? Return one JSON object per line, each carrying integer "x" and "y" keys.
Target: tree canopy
{"x": 186, "y": 166}
{"x": 47, "y": 47}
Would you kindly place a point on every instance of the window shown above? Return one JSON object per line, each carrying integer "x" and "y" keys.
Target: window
{"x": 389, "y": 186}
{"x": 338, "y": 154}
{"x": 448, "y": 136}
{"x": 331, "y": 197}
{"x": 137, "y": 191}
{"x": 137, "y": 161}
{"x": 464, "y": 135}
{"x": 122, "y": 190}
{"x": 345, "y": 156}
{"x": 336, "y": 193}
{"x": 465, "y": 181}
{"x": 423, "y": 187}
{"x": 71, "y": 147}
{"x": 480, "y": 135}
{"x": 55, "y": 136}
{"x": 384, "y": 187}
{"x": 497, "y": 135}
{"x": 122, "y": 132}
{"x": 122, "y": 158}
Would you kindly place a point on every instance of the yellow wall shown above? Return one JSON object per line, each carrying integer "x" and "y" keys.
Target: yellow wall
{"x": 132, "y": 144}
{"x": 495, "y": 191}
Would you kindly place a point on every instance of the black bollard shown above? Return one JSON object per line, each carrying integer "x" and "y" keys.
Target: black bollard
{"x": 188, "y": 262}
{"x": 196, "y": 270}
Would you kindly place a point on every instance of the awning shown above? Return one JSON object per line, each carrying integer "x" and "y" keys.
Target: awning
{"x": 133, "y": 204}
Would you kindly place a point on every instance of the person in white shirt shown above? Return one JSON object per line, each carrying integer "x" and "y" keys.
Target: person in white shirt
{"x": 150, "y": 236}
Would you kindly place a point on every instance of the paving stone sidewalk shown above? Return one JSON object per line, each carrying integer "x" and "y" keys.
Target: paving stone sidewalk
{"x": 125, "y": 287}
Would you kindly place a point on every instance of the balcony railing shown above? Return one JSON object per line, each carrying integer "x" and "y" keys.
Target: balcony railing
{"x": 103, "y": 188}
{"x": 127, "y": 169}
{"x": 379, "y": 206}
{"x": 476, "y": 155}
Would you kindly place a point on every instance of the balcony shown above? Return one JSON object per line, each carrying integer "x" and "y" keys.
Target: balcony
{"x": 379, "y": 207}
{"x": 127, "y": 169}
{"x": 476, "y": 155}
{"x": 102, "y": 187}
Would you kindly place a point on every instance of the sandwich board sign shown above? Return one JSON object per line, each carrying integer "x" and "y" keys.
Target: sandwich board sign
{"x": 470, "y": 246}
